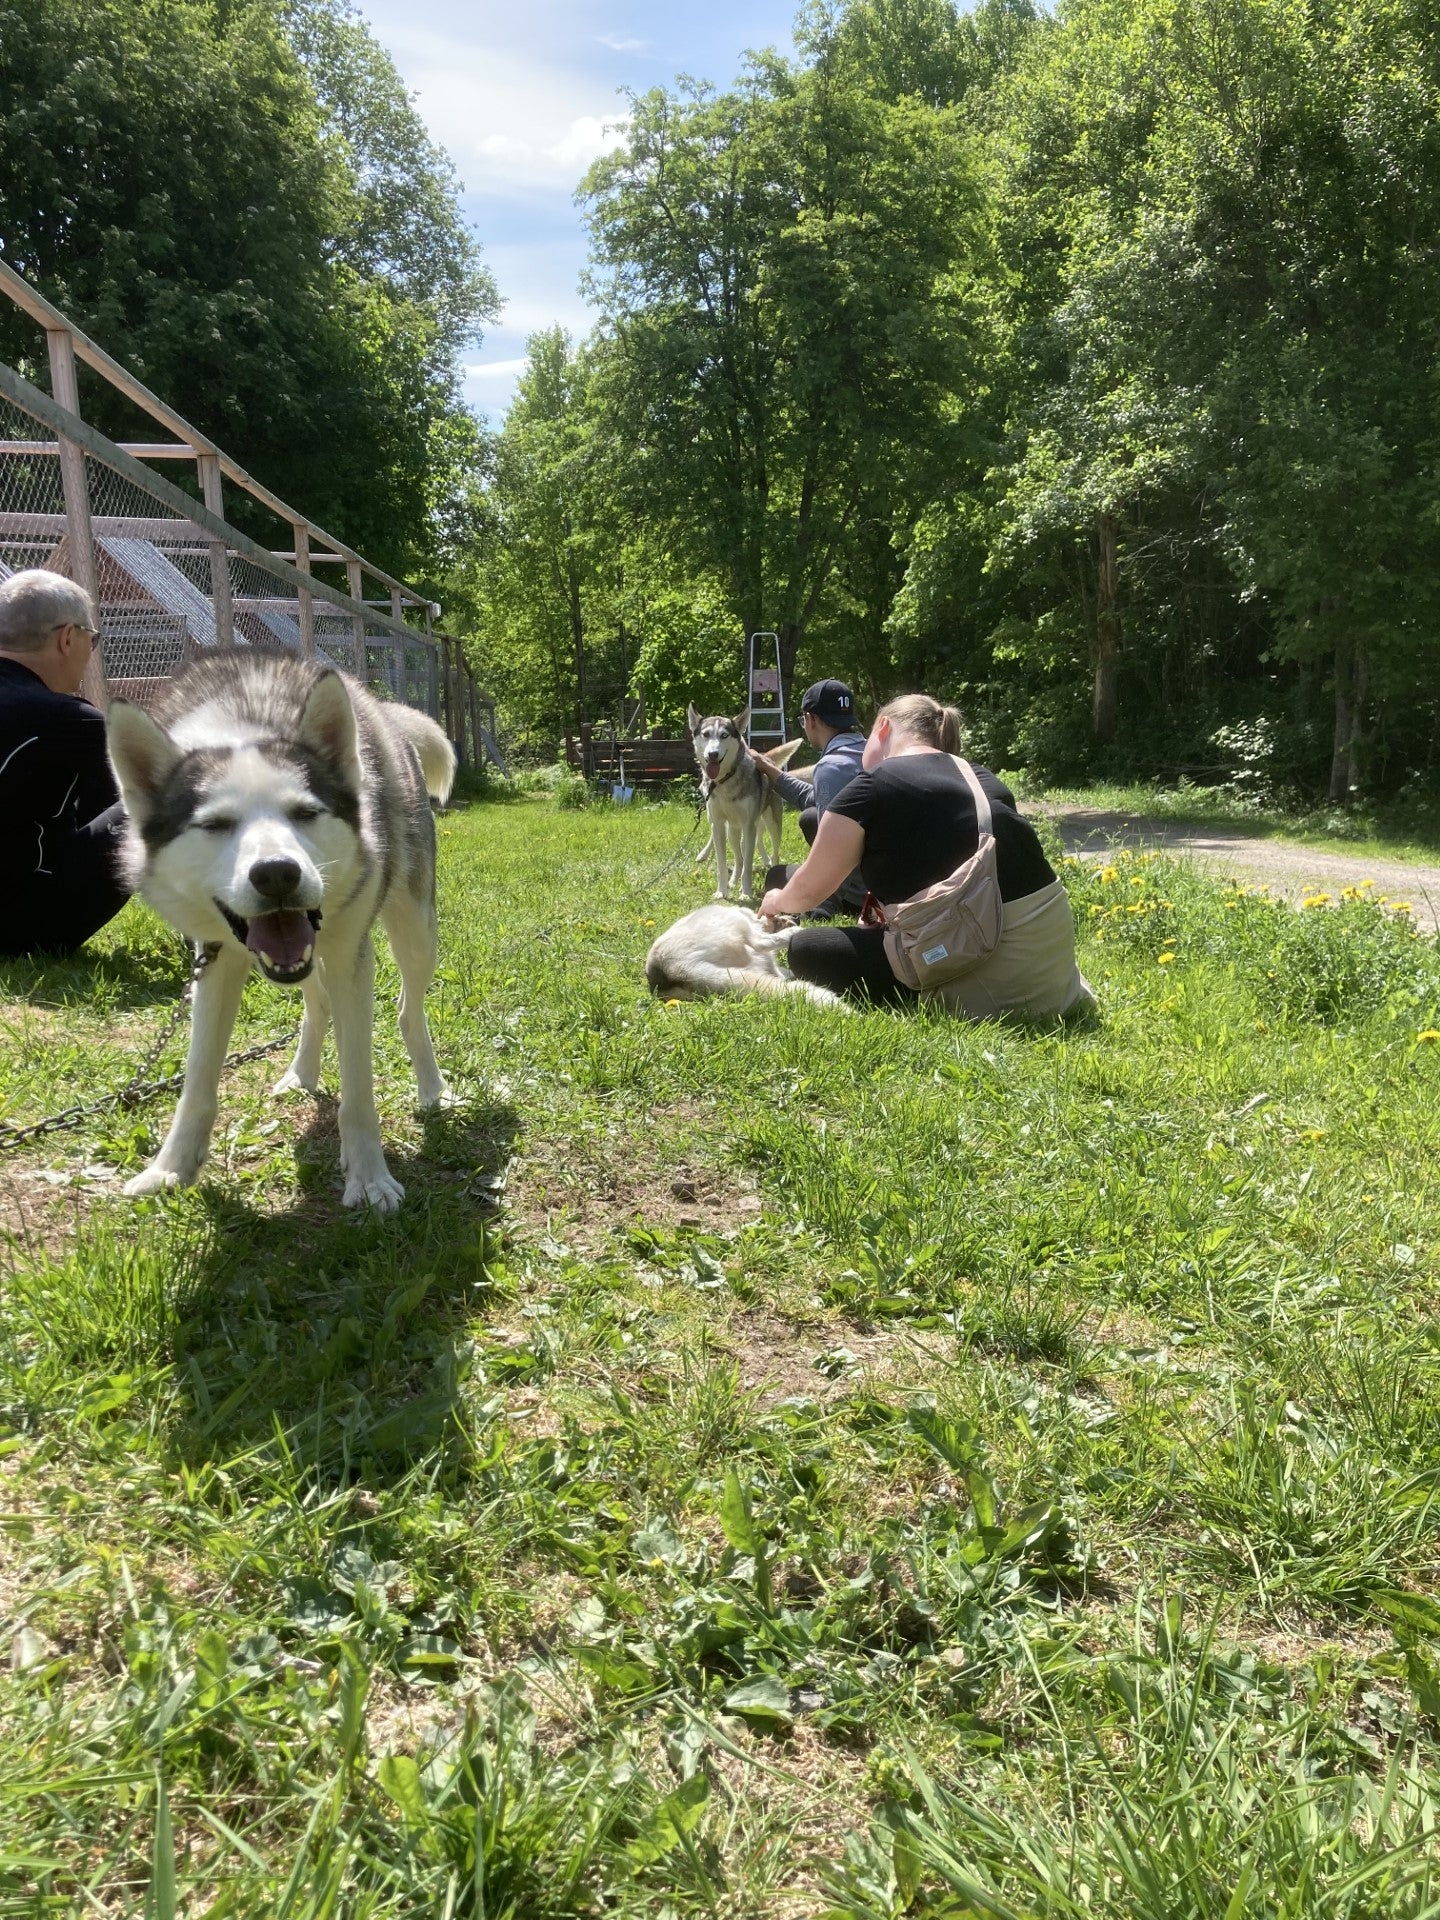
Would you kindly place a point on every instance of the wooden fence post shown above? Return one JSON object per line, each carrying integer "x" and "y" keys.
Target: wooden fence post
{"x": 79, "y": 532}
{"x": 305, "y": 597}
{"x": 357, "y": 588}
{"x": 475, "y": 732}
{"x": 213, "y": 494}
{"x": 400, "y": 671}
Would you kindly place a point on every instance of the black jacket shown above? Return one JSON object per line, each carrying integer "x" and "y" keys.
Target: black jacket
{"x": 60, "y": 818}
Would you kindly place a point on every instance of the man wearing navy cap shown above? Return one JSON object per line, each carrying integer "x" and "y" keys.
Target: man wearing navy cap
{"x": 827, "y": 719}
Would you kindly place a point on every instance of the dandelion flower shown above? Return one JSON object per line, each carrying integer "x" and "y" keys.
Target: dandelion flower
{"x": 1164, "y": 959}
{"x": 1426, "y": 1035}
{"x": 1401, "y": 906}
{"x": 1107, "y": 874}
{"x": 1314, "y": 1133}
{"x": 1316, "y": 900}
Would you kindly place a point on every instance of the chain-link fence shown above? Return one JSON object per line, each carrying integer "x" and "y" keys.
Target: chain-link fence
{"x": 175, "y": 582}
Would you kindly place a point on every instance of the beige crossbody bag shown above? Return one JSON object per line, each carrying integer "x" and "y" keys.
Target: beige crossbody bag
{"x": 944, "y": 930}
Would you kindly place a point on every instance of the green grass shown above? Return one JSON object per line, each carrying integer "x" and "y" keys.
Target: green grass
{"x": 1408, "y": 831}
{"x": 772, "y": 1465}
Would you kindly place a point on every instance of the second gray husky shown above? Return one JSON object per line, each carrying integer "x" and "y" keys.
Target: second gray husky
{"x": 276, "y": 811}
{"x": 740, "y": 802}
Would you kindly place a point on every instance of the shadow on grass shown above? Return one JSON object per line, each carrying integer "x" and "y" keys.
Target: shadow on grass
{"x": 121, "y": 978}
{"x": 345, "y": 1331}
{"x": 332, "y": 1340}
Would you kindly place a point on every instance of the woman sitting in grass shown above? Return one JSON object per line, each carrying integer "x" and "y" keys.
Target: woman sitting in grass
{"x": 907, "y": 822}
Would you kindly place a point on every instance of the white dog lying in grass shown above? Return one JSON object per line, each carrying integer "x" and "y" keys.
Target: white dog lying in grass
{"x": 725, "y": 950}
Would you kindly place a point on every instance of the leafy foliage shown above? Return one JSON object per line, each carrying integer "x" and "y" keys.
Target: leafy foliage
{"x": 241, "y": 203}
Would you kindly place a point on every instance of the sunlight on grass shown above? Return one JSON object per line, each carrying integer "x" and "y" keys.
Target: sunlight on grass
{"x": 923, "y": 1470}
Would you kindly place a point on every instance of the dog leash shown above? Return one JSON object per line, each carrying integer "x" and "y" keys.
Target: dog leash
{"x": 138, "y": 1088}
{"x": 670, "y": 865}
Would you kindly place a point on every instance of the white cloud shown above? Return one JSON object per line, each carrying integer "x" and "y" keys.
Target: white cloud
{"x": 496, "y": 369}
{"x": 513, "y": 121}
{"x": 617, "y": 45}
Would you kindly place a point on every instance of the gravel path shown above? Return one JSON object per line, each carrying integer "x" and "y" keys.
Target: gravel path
{"x": 1288, "y": 870}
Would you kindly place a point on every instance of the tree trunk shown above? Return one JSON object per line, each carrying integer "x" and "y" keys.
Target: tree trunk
{"x": 1342, "y": 753}
{"x": 789, "y": 647}
{"x": 1107, "y": 628}
{"x": 577, "y": 637}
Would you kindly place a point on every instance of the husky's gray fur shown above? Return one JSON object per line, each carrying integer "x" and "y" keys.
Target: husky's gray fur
{"x": 724, "y": 950}
{"x": 739, "y": 800}
{"x": 276, "y": 811}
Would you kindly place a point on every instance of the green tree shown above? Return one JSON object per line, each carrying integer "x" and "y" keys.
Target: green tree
{"x": 237, "y": 199}
{"x": 537, "y": 578}
{"x": 781, "y": 271}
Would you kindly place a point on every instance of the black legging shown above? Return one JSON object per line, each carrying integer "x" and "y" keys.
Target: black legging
{"x": 848, "y": 960}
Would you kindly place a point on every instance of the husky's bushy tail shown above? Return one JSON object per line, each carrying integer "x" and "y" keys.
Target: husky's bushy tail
{"x": 434, "y": 751}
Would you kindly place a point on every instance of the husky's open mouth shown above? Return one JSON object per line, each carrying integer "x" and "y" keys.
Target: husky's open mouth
{"x": 283, "y": 942}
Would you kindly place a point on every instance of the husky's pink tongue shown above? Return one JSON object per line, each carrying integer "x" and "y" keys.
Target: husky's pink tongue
{"x": 281, "y": 938}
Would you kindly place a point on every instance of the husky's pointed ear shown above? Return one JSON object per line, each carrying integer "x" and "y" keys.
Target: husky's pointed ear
{"x": 327, "y": 726}
{"x": 142, "y": 754}
{"x": 741, "y": 723}
{"x": 693, "y": 718}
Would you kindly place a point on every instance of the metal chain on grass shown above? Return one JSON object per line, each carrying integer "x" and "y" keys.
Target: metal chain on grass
{"x": 139, "y": 1088}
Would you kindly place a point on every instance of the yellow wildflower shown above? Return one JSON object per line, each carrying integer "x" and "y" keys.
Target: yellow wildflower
{"x": 1165, "y": 959}
{"x": 1426, "y": 1035}
{"x": 1107, "y": 874}
{"x": 1316, "y": 900}
{"x": 1401, "y": 906}
{"x": 1314, "y": 1133}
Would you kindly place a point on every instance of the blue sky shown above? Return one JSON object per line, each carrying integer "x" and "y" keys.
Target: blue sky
{"x": 520, "y": 96}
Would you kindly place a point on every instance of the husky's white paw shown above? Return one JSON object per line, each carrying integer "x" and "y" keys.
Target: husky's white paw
{"x": 290, "y": 1082}
{"x": 377, "y": 1188}
{"x": 441, "y": 1102}
{"x": 719, "y": 894}
{"x": 155, "y": 1179}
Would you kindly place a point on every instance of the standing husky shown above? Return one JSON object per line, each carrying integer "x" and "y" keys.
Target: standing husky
{"x": 738, "y": 798}
{"x": 275, "y": 812}
{"x": 725, "y": 950}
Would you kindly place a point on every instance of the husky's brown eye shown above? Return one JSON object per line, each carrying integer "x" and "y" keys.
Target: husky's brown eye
{"x": 304, "y": 810}
{"x": 216, "y": 826}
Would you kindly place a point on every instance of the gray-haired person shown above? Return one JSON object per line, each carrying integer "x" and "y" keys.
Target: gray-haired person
{"x": 60, "y": 812}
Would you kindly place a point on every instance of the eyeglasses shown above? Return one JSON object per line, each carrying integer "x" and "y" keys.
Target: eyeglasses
{"x": 91, "y": 633}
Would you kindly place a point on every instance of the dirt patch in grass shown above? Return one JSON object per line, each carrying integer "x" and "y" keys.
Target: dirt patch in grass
{"x": 590, "y": 1194}
{"x": 42, "y": 1206}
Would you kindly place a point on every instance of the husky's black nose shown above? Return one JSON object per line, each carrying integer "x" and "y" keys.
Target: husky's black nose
{"x": 275, "y": 879}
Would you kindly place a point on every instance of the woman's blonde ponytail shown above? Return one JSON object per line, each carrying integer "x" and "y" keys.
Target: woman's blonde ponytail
{"x": 925, "y": 719}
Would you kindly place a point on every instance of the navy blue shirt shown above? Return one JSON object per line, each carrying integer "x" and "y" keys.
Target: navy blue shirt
{"x": 837, "y": 766}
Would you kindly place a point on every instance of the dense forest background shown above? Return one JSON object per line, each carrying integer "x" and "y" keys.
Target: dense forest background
{"x": 1082, "y": 365}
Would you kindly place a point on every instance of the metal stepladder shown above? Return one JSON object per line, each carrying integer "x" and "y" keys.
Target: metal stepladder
{"x": 765, "y": 693}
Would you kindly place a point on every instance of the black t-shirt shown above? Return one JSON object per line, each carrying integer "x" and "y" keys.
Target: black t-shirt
{"x": 919, "y": 818}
